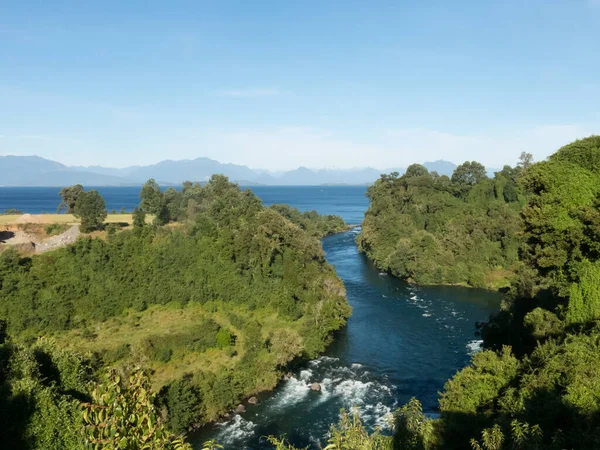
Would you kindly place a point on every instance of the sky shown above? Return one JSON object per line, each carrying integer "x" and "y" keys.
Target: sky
{"x": 282, "y": 84}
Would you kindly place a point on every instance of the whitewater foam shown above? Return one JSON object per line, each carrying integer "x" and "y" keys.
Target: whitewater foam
{"x": 237, "y": 429}
{"x": 292, "y": 392}
{"x": 474, "y": 346}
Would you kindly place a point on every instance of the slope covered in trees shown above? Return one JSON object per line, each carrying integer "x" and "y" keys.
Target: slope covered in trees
{"x": 215, "y": 308}
{"x": 536, "y": 385}
{"x": 433, "y": 229}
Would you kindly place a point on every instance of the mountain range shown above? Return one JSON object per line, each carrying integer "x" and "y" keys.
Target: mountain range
{"x": 37, "y": 171}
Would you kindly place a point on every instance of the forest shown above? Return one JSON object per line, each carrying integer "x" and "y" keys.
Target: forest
{"x": 534, "y": 386}
{"x": 432, "y": 229}
{"x": 213, "y": 301}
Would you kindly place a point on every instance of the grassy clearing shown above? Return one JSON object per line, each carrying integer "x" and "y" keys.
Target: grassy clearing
{"x": 161, "y": 321}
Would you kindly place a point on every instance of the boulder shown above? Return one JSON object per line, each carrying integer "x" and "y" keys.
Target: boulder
{"x": 287, "y": 376}
{"x": 315, "y": 387}
{"x": 253, "y": 400}
{"x": 240, "y": 409}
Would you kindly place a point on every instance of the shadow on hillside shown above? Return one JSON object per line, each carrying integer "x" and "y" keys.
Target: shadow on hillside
{"x": 5, "y": 236}
{"x": 562, "y": 426}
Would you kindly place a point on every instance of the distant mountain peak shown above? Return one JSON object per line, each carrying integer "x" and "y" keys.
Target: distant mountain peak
{"x": 37, "y": 171}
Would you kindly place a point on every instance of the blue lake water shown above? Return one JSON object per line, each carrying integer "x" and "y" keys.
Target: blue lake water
{"x": 401, "y": 341}
{"x": 347, "y": 201}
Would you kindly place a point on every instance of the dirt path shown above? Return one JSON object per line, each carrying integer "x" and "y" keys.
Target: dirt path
{"x": 26, "y": 242}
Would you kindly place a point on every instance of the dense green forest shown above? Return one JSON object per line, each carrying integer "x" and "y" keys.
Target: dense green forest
{"x": 534, "y": 386}
{"x": 433, "y": 229}
{"x": 214, "y": 307}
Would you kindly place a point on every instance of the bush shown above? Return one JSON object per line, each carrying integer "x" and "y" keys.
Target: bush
{"x": 55, "y": 229}
{"x": 184, "y": 404}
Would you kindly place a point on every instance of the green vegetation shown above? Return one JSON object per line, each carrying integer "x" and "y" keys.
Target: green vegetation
{"x": 311, "y": 222}
{"x": 250, "y": 291}
{"x": 69, "y": 197}
{"x": 55, "y": 228}
{"x": 91, "y": 209}
{"x": 215, "y": 308}
{"x": 431, "y": 229}
{"x": 536, "y": 386}
{"x": 125, "y": 417}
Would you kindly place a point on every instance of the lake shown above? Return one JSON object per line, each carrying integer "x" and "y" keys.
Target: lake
{"x": 348, "y": 201}
{"x": 402, "y": 341}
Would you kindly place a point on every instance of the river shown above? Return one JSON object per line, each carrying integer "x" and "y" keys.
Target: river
{"x": 401, "y": 341}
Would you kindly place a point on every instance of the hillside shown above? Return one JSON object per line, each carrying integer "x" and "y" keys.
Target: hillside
{"x": 214, "y": 308}
{"x": 432, "y": 229}
{"x": 36, "y": 171}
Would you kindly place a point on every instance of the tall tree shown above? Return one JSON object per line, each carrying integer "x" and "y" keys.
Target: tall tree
{"x": 469, "y": 174}
{"x": 91, "y": 209}
{"x": 139, "y": 218}
{"x": 416, "y": 170}
{"x": 151, "y": 197}
{"x": 525, "y": 160}
{"x": 69, "y": 197}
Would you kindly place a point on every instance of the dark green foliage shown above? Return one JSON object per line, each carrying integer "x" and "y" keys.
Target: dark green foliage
{"x": 12, "y": 211}
{"x": 469, "y": 174}
{"x": 311, "y": 222}
{"x": 416, "y": 170}
{"x": 91, "y": 209}
{"x": 40, "y": 389}
{"x": 112, "y": 228}
{"x": 431, "y": 230}
{"x": 240, "y": 260}
{"x": 562, "y": 219}
{"x": 139, "y": 218}
{"x": 183, "y": 401}
{"x": 69, "y": 196}
{"x": 544, "y": 393}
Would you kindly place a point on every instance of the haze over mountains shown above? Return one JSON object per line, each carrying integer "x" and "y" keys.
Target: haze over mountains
{"x": 36, "y": 171}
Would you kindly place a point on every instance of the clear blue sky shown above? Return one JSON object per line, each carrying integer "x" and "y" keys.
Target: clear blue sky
{"x": 279, "y": 84}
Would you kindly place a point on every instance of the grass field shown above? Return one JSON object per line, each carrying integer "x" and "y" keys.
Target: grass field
{"x": 11, "y": 219}
{"x": 133, "y": 328}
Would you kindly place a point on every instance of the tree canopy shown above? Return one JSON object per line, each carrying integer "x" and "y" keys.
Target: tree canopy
{"x": 436, "y": 230}
{"x": 91, "y": 209}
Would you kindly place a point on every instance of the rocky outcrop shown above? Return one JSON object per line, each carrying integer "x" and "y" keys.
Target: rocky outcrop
{"x": 240, "y": 409}
{"x": 68, "y": 237}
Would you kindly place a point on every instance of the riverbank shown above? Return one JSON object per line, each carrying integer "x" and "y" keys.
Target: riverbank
{"x": 401, "y": 341}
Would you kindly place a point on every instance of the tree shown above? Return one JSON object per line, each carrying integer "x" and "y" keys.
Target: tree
{"x": 412, "y": 429}
{"x": 139, "y": 218}
{"x": 525, "y": 160}
{"x": 151, "y": 197}
{"x": 69, "y": 197}
{"x": 154, "y": 202}
{"x": 469, "y": 174}
{"x": 416, "y": 170}
{"x": 91, "y": 208}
